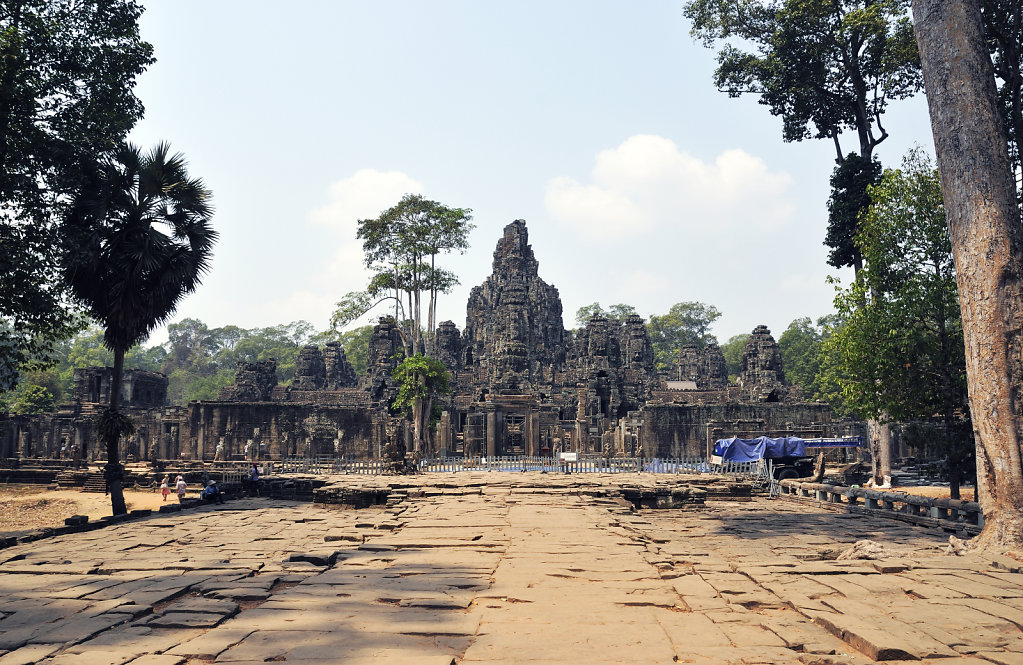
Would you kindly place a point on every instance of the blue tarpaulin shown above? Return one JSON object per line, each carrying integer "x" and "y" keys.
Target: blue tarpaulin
{"x": 750, "y": 450}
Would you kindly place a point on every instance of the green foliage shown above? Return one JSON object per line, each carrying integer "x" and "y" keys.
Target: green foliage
{"x": 685, "y": 323}
{"x": 1003, "y": 26}
{"x": 355, "y": 342}
{"x": 66, "y": 76}
{"x": 33, "y": 399}
{"x": 420, "y": 377}
{"x": 353, "y": 305}
{"x": 45, "y": 378}
{"x": 899, "y": 353}
{"x": 198, "y": 360}
{"x": 401, "y": 247}
{"x": 732, "y": 350}
{"x": 824, "y": 67}
{"x": 138, "y": 240}
{"x": 849, "y": 183}
{"x": 617, "y": 313}
{"x": 187, "y": 387}
{"x": 112, "y": 425}
{"x": 800, "y": 347}
{"x": 202, "y": 360}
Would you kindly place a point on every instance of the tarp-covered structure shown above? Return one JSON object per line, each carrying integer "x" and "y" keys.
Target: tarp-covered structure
{"x": 751, "y": 450}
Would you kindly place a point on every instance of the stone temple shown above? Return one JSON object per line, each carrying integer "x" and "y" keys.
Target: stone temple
{"x": 523, "y": 385}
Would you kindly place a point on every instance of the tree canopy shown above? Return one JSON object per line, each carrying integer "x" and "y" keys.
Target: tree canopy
{"x": 1003, "y": 27}
{"x": 685, "y": 323}
{"x": 420, "y": 379}
{"x": 850, "y": 181}
{"x": 801, "y": 354}
{"x": 900, "y": 354}
{"x": 67, "y": 71}
{"x": 824, "y": 67}
{"x": 138, "y": 239}
{"x": 617, "y": 313}
{"x": 198, "y": 360}
{"x": 732, "y": 351}
{"x": 401, "y": 248}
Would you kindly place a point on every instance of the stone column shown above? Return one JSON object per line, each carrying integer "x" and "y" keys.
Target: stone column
{"x": 533, "y": 433}
{"x": 491, "y": 433}
{"x": 444, "y": 439}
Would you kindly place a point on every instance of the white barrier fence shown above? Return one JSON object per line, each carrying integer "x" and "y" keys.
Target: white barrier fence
{"x": 759, "y": 471}
{"x": 327, "y": 465}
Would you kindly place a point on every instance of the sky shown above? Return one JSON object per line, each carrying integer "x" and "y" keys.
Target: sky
{"x": 595, "y": 121}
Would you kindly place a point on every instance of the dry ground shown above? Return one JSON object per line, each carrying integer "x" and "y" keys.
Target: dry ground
{"x": 506, "y": 568}
{"x": 26, "y": 507}
{"x": 966, "y": 493}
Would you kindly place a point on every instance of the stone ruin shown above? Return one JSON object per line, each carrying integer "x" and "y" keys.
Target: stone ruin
{"x": 323, "y": 370}
{"x": 253, "y": 382}
{"x": 703, "y": 367}
{"x": 761, "y": 377}
{"x": 522, "y": 385}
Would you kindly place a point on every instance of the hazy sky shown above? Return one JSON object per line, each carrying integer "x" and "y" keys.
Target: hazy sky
{"x": 596, "y": 122}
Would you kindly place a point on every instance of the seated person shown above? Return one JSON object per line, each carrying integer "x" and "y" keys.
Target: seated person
{"x": 212, "y": 493}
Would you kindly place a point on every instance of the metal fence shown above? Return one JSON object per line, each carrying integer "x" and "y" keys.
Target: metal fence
{"x": 759, "y": 472}
{"x": 327, "y": 465}
{"x": 229, "y": 472}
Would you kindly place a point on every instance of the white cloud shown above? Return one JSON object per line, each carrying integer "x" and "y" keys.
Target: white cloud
{"x": 603, "y": 211}
{"x": 647, "y": 183}
{"x": 363, "y": 195}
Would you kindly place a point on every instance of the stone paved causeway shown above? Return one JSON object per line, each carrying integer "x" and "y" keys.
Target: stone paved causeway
{"x": 509, "y": 573}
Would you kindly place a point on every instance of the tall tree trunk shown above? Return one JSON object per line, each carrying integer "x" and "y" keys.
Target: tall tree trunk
{"x": 884, "y": 466}
{"x": 417, "y": 290}
{"x": 948, "y": 402}
{"x": 426, "y": 446}
{"x": 432, "y": 332}
{"x": 114, "y": 471}
{"x": 417, "y": 425}
{"x": 879, "y": 436}
{"x": 987, "y": 241}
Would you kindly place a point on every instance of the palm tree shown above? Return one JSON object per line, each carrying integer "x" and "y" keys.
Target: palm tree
{"x": 139, "y": 239}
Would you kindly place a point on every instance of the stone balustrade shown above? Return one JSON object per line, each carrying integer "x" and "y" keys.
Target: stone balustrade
{"x": 949, "y": 514}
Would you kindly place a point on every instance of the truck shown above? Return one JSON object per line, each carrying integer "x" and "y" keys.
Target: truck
{"x": 787, "y": 454}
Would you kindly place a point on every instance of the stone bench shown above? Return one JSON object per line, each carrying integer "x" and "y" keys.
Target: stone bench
{"x": 952, "y": 511}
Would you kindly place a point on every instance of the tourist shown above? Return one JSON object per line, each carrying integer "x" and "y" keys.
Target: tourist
{"x": 212, "y": 493}
{"x": 254, "y": 481}
{"x": 180, "y": 487}
{"x": 165, "y": 487}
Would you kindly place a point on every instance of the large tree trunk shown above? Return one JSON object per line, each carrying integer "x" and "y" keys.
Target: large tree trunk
{"x": 114, "y": 471}
{"x": 987, "y": 241}
{"x": 879, "y": 436}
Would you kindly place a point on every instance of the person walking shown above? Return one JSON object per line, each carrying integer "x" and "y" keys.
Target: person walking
{"x": 165, "y": 487}
{"x": 180, "y": 487}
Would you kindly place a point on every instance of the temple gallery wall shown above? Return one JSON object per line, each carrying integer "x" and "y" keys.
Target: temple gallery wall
{"x": 523, "y": 385}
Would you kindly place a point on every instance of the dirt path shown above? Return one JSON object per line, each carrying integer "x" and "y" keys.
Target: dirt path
{"x": 25, "y": 508}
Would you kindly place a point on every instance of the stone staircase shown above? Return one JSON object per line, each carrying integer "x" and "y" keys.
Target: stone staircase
{"x": 71, "y": 478}
{"x": 95, "y": 483}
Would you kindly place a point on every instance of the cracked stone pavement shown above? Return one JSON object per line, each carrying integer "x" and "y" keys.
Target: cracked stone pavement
{"x": 507, "y": 573}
